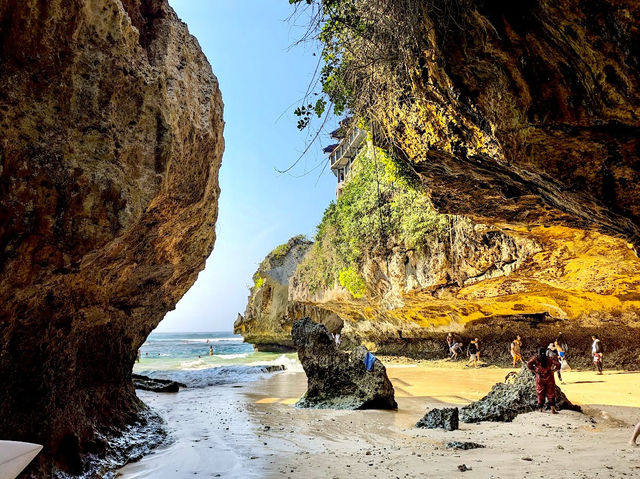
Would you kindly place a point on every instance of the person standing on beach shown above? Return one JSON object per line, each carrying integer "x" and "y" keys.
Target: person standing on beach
{"x": 543, "y": 367}
{"x": 562, "y": 357}
{"x": 563, "y": 344}
{"x": 516, "y": 350}
{"x": 596, "y": 352}
{"x": 473, "y": 350}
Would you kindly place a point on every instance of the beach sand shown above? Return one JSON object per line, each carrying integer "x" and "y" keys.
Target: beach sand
{"x": 254, "y": 431}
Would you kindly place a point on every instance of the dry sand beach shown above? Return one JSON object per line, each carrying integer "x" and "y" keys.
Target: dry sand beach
{"x": 253, "y": 430}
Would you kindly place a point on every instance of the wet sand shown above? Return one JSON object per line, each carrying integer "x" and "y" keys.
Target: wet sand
{"x": 254, "y": 431}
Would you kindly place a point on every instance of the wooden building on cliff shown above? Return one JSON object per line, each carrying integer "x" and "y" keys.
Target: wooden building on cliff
{"x": 342, "y": 154}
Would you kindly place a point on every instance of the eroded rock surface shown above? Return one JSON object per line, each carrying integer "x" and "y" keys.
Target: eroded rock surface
{"x": 526, "y": 113}
{"x": 506, "y": 400}
{"x": 270, "y": 313}
{"x": 111, "y": 140}
{"x": 445, "y": 418}
{"x": 337, "y": 379}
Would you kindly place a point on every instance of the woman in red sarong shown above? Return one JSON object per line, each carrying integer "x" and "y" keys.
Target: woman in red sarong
{"x": 544, "y": 367}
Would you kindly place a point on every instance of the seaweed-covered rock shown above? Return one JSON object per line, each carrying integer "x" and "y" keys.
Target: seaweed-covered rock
{"x": 506, "y": 400}
{"x": 338, "y": 379}
{"x": 446, "y": 418}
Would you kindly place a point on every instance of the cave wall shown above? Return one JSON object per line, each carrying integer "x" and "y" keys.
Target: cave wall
{"x": 111, "y": 140}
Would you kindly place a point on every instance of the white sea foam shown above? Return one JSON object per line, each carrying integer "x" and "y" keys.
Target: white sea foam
{"x": 230, "y": 356}
{"x": 291, "y": 364}
{"x": 197, "y": 364}
{"x": 211, "y": 340}
{"x": 212, "y": 376}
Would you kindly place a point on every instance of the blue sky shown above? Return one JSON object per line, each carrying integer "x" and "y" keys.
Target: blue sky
{"x": 262, "y": 78}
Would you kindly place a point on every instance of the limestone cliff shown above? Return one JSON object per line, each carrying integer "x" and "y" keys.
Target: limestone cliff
{"x": 111, "y": 140}
{"x": 523, "y": 117}
{"x": 269, "y": 315}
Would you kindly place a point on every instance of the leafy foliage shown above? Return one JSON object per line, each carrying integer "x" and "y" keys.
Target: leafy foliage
{"x": 370, "y": 50}
{"x": 351, "y": 279}
{"x": 380, "y": 207}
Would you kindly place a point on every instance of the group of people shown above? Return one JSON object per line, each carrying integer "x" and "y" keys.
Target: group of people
{"x": 455, "y": 349}
{"x": 556, "y": 349}
{"x": 544, "y": 364}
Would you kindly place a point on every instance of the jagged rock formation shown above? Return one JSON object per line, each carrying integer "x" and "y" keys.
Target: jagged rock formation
{"x": 269, "y": 315}
{"x": 111, "y": 127}
{"x": 338, "y": 379}
{"x": 493, "y": 284}
{"x": 506, "y": 400}
{"x": 445, "y": 418}
{"x": 525, "y": 114}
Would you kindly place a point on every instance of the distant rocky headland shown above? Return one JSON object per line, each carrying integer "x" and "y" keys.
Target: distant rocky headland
{"x": 110, "y": 144}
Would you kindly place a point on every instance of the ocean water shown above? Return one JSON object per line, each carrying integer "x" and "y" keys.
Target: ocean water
{"x": 186, "y": 358}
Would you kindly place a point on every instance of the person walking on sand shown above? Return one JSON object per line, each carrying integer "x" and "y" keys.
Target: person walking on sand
{"x": 552, "y": 352}
{"x": 516, "y": 350}
{"x": 456, "y": 349}
{"x": 636, "y": 433}
{"x": 450, "y": 343}
{"x": 562, "y": 357}
{"x": 596, "y": 352}
{"x": 473, "y": 350}
{"x": 543, "y": 367}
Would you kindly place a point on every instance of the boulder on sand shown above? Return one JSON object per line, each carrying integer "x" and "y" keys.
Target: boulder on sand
{"x": 445, "y": 418}
{"x": 506, "y": 400}
{"x": 337, "y": 379}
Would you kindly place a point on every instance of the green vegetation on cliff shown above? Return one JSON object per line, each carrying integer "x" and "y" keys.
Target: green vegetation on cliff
{"x": 380, "y": 207}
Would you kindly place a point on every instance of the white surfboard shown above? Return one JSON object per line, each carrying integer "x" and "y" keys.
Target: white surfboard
{"x": 15, "y": 456}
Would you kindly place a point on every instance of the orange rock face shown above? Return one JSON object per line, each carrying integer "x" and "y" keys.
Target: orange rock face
{"x": 110, "y": 144}
{"x": 527, "y": 114}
